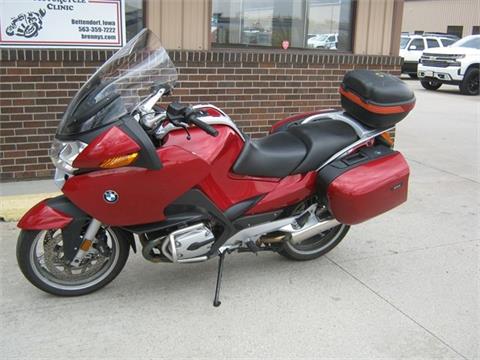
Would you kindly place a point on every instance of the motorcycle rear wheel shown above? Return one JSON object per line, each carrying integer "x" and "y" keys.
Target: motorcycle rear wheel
{"x": 315, "y": 246}
{"x": 40, "y": 258}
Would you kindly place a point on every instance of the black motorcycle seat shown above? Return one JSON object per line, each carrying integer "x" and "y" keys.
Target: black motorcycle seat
{"x": 323, "y": 139}
{"x": 275, "y": 155}
{"x": 297, "y": 150}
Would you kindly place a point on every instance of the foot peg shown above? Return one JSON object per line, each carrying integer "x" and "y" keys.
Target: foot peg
{"x": 253, "y": 247}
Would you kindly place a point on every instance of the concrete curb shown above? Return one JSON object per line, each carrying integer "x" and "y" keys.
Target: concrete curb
{"x": 13, "y": 207}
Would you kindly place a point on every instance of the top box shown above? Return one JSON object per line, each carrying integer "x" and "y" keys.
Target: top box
{"x": 376, "y": 99}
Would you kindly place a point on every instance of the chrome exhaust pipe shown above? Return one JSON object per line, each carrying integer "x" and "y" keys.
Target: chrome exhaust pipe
{"x": 306, "y": 232}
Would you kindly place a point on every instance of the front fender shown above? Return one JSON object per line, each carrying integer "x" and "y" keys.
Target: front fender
{"x": 53, "y": 213}
{"x": 42, "y": 217}
{"x": 58, "y": 213}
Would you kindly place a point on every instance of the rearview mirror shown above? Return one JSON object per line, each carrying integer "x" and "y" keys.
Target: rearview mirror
{"x": 412, "y": 47}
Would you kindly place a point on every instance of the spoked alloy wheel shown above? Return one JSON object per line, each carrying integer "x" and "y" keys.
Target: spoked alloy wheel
{"x": 315, "y": 246}
{"x": 41, "y": 258}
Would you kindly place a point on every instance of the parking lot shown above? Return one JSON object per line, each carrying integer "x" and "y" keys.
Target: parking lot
{"x": 403, "y": 285}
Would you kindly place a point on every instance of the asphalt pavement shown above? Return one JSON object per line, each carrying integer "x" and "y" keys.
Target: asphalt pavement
{"x": 403, "y": 285}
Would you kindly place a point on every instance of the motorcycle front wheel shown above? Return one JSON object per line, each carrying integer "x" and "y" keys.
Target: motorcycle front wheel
{"x": 41, "y": 259}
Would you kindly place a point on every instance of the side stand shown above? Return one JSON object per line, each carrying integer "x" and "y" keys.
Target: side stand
{"x": 221, "y": 259}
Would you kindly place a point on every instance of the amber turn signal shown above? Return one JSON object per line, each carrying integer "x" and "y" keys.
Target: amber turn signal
{"x": 119, "y": 161}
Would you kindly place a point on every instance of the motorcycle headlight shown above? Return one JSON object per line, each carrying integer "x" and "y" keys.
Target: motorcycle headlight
{"x": 63, "y": 153}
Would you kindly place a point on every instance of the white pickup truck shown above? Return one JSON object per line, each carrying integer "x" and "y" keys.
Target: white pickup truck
{"x": 412, "y": 46}
{"x": 458, "y": 64}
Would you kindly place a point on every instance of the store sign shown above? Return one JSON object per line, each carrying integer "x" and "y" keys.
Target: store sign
{"x": 62, "y": 23}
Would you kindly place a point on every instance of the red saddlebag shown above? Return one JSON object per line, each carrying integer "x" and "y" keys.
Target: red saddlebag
{"x": 365, "y": 184}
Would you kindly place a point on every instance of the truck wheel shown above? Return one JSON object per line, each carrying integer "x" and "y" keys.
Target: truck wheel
{"x": 431, "y": 84}
{"x": 469, "y": 84}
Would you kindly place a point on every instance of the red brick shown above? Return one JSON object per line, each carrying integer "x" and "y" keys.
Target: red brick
{"x": 42, "y": 71}
{"x": 23, "y": 161}
{"x": 12, "y": 110}
{"x": 31, "y": 78}
{"x": 18, "y": 71}
{"x": 25, "y": 86}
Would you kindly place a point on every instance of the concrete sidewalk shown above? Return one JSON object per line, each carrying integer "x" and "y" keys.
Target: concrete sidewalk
{"x": 17, "y": 197}
{"x": 403, "y": 285}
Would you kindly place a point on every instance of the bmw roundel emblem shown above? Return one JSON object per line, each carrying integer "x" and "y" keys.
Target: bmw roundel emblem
{"x": 110, "y": 196}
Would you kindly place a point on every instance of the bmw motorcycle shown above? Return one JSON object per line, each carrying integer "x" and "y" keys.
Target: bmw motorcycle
{"x": 187, "y": 185}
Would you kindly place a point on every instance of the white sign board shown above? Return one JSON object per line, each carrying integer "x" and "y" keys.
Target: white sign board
{"x": 62, "y": 23}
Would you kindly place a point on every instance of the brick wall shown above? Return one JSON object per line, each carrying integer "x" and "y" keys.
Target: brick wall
{"x": 254, "y": 88}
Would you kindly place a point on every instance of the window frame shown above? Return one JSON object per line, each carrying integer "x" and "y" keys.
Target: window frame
{"x": 452, "y": 41}
{"x": 439, "y": 44}
{"x": 353, "y": 20}
{"x": 415, "y": 39}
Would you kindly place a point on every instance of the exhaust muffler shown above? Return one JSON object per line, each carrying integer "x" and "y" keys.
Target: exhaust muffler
{"x": 309, "y": 230}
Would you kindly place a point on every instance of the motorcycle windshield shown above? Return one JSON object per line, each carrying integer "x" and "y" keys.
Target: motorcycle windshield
{"x": 119, "y": 85}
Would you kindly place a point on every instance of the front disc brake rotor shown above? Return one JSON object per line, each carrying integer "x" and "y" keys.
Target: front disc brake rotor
{"x": 56, "y": 264}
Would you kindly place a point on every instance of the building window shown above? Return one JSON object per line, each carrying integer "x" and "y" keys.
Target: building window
{"x": 134, "y": 17}
{"x": 455, "y": 30}
{"x": 475, "y": 30}
{"x": 320, "y": 24}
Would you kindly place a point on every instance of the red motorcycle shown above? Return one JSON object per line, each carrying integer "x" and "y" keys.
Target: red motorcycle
{"x": 191, "y": 186}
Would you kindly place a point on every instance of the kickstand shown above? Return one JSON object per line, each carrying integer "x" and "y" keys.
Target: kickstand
{"x": 221, "y": 258}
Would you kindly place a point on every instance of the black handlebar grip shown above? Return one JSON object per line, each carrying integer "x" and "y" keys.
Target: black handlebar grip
{"x": 202, "y": 125}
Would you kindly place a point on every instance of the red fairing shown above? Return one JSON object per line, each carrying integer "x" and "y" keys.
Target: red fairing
{"x": 295, "y": 118}
{"x": 142, "y": 194}
{"x": 369, "y": 189}
{"x": 204, "y": 162}
{"x": 289, "y": 191}
{"x": 222, "y": 187}
{"x": 43, "y": 217}
{"x": 113, "y": 142}
{"x": 225, "y": 188}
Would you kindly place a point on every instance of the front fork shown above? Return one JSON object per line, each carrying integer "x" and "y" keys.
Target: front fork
{"x": 88, "y": 240}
